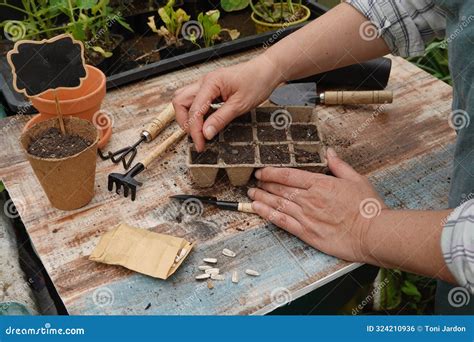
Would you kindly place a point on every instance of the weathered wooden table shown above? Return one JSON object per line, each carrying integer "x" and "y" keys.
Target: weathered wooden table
{"x": 405, "y": 148}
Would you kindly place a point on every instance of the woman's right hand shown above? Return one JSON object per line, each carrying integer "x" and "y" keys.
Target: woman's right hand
{"x": 241, "y": 87}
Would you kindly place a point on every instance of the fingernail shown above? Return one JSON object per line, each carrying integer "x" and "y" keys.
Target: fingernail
{"x": 258, "y": 173}
{"x": 331, "y": 152}
{"x": 251, "y": 192}
{"x": 209, "y": 132}
{"x": 255, "y": 206}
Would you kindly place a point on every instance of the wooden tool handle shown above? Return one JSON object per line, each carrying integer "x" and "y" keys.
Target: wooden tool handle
{"x": 357, "y": 97}
{"x": 246, "y": 208}
{"x": 159, "y": 123}
{"x": 162, "y": 147}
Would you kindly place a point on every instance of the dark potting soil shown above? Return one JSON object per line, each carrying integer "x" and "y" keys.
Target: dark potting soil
{"x": 268, "y": 133}
{"x": 306, "y": 157}
{"x": 237, "y": 133}
{"x": 304, "y": 133}
{"x": 52, "y": 144}
{"x": 274, "y": 154}
{"x": 207, "y": 157}
{"x": 237, "y": 154}
{"x": 245, "y": 118}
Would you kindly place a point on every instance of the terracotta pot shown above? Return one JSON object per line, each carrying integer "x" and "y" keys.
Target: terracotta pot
{"x": 68, "y": 182}
{"x": 263, "y": 26}
{"x": 83, "y": 102}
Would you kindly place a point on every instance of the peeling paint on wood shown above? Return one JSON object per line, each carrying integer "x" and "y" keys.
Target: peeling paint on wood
{"x": 405, "y": 148}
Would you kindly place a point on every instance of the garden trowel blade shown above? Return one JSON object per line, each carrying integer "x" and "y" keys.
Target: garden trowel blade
{"x": 295, "y": 94}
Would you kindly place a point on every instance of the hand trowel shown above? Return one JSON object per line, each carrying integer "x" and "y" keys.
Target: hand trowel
{"x": 305, "y": 94}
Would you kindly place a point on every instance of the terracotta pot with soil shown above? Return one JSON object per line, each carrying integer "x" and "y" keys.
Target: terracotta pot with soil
{"x": 262, "y": 26}
{"x": 64, "y": 164}
{"x": 83, "y": 102}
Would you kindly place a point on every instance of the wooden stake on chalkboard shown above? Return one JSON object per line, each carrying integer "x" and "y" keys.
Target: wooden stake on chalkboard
{"x": 60, "y": 114}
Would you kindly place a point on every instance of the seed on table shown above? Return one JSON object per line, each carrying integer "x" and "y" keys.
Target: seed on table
{"x": 252, "y": 272}
{"x": 204, "y": 267}
{"x": 210, "y": 260}
{"x": 217, "y": 277}
{"x": 212, "y": 271}
{"x": 235, "y": 277}
{"x": 228, "y": 252}
{"x": 203, "y": 276}
{"x": 210, "y": 285}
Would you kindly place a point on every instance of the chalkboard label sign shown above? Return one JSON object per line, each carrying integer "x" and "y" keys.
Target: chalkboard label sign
{"x": 49, "y": 64}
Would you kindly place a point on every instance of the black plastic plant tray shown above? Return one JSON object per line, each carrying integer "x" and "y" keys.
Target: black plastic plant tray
{"x": 18, "y": 104}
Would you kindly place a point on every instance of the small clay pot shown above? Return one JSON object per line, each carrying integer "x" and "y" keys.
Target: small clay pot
{"x": 263, "y": 26}
{"x": 83, "y": 102}
{"x": 68, "y": 182}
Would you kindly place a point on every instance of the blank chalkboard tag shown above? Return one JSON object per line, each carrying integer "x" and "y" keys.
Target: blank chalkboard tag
{"x": 49, "y": 64}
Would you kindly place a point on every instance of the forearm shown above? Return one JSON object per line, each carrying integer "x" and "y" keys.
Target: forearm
{"x": 329, "y": 42}
{"x": 409, "y": 240}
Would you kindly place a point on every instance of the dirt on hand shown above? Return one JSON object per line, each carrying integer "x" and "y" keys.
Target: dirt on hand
{"x": 52, "y": 144}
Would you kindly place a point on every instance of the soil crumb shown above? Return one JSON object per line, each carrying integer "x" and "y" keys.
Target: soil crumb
{"x": 52, "y": 144}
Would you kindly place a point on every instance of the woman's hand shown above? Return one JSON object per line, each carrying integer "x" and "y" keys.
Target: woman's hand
{"x": 242, "y": 87}
{"x": 332, "y": 214}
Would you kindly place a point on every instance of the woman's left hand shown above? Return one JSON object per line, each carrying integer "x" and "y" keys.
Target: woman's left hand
{"x": 332, "y": 214}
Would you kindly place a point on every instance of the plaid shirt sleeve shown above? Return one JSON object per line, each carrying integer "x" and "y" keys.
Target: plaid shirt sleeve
{"x": 406, "y": 26}
{"x": 457, "y": 244}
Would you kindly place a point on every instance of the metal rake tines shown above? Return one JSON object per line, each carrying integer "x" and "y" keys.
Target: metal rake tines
{"x": 126, "y": 181}
{"x": 125, "y": 155}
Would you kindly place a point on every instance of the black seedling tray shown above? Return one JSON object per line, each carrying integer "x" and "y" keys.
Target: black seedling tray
{"x": 18, "y": 104}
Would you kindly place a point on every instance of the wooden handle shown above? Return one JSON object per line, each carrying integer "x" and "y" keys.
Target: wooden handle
{"x": 159, "y": 123}
{"x": 358, "y": 97}
{"x": 246, "y": 208}
{"x": 162, "y": 147}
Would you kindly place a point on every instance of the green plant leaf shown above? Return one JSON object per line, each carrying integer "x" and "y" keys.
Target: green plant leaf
{"x": 409, "y": 289}
{"x": 85, "y": 4}
{"x": 100, "y": 50}
{"x": 234, "y": 5}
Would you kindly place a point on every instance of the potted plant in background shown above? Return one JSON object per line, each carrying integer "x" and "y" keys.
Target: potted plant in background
{"x": 269, "y": 15}
{"x": 87, "y": 21}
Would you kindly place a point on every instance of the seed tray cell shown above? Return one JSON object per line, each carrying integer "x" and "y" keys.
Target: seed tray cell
{"x": 266, "y": 136}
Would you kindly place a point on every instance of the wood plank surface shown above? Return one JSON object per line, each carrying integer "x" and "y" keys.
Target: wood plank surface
{"x": 405, "y": 148}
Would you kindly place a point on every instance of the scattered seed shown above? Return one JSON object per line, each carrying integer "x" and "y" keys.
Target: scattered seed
{"x": 217, "y": 277}
{"x": 228, "y": 252}
{"x": 252, "y": 272}
{"x": 204, "y": 267}
{"x": 235, "y": 277}
{"x": 210, "y": 260}
{"x": 212, "y": 271}
{"x": 210, "y": 285}
{"x": 203, "y": 276}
